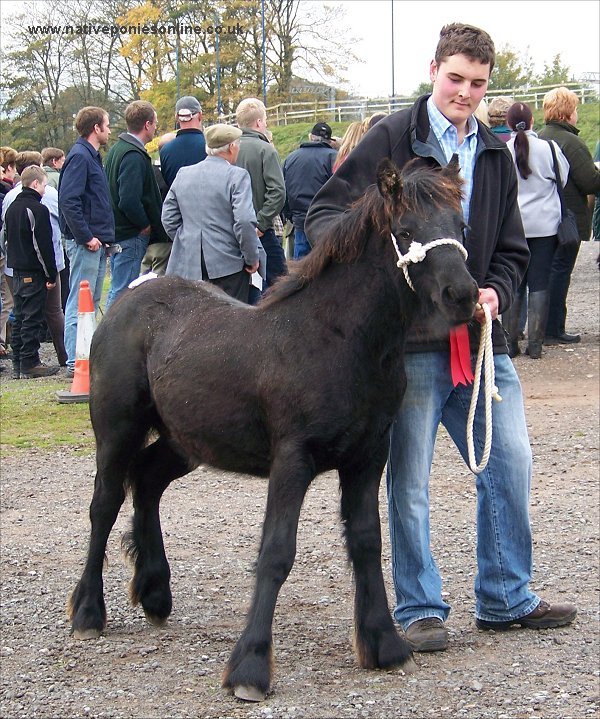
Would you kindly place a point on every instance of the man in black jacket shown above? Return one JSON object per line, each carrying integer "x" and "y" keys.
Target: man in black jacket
{"x": 435, "y": 128}
{"x": 305, "y": 171}
{"x": 30, "y": 253}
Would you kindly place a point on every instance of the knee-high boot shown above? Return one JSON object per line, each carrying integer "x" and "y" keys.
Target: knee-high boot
{"x": 510, "y": 322}
{"x": 537, "y": 316}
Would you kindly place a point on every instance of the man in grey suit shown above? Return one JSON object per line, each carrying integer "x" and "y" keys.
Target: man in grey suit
{"x": 214, "y": 233}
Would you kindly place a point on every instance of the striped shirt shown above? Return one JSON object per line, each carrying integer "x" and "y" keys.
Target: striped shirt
{"x": 447, "y": 136}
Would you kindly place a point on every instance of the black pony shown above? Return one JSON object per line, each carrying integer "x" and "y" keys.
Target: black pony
{"x": 307, "y": 382}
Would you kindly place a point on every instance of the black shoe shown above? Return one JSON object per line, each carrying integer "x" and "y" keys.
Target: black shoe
{"x": 513, "y": 349}
{"x": 16, "y": 370}
{"x": 544, "y": 616}
{"x": 40, "y": 370}
{"x": 427, "y": 635}
{"x": 562, "y": 339}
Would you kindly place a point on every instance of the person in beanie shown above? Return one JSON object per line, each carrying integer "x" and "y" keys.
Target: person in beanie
{"x": 216, "y": 239}
{"x": 30, "y": 254}
{"x": 305, "y": 171}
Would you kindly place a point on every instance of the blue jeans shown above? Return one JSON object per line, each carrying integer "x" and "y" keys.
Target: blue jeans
{"x": 276, "y": 264}
{"x": 301, "y": 244}
{"x": 84, "y": 265}
{"x": 504, "y": 551}
{"x": 125, "y": 266}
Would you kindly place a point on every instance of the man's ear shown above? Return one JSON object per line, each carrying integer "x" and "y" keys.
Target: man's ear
{"x": 433, "y": 70}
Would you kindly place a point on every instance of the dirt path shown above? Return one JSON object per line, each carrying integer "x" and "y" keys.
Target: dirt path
{"x": 211, "y": 523}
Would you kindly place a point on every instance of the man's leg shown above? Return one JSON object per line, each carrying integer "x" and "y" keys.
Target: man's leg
{"x": 32, "y": 299}
{"x": 276, "y": 264}
{"x": 7, "y": 304}
{"x": 156, "y": 258}
{"x": 301, "y": 244}
{"x": 55, "y": 319}
{"x": 236, "y": 285}
{"x": 125, "y": 266}
{"x": 417, "y": 582}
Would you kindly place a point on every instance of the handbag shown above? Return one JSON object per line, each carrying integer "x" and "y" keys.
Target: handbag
{"x": 567, "y": 232}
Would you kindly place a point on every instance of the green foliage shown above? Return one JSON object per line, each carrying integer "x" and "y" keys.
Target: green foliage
{"x": 32, "y": 418}
{"x": 510, "y": 70}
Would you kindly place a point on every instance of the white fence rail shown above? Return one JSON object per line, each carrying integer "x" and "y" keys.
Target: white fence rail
{"x": 359, "y": 108}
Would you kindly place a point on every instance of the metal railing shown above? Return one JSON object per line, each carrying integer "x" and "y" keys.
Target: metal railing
{"x": 359, "y": 108}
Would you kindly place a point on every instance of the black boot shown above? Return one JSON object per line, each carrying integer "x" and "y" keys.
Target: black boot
{"x": 510, "y": 322}
{"x": 16, "y": 373}
{"x": 537, "y": 315}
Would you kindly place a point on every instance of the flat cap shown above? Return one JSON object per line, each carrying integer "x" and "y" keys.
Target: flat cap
{"x": 221, "y": 135}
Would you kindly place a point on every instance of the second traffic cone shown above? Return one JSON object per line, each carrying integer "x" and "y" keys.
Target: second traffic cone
{"x": 86, "y": 325}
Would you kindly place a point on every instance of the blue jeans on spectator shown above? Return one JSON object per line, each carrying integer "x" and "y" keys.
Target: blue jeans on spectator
{"x": 276, "y": 264}
{"x": 125, "y": 266}
{"x": 301, "y": 244}
{"x": 504, "y": 547}
{"x": 84, "y": 265}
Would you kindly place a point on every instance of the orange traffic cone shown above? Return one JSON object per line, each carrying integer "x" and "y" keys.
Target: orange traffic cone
{"x": 86, "y": 324}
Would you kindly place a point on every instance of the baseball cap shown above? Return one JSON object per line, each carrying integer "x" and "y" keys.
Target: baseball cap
{"x": 322, "y": 129}
{"x": 186, "y": 108}
{"x": 221, "y": 135}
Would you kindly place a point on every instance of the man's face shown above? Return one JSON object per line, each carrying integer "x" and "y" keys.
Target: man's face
{"x": 103, "y": 131}
{"x": 151, "y": 128}
{"x": 39, "y": 186}
{"x": 459, "y": 85}
{"x": 57, "y": 164}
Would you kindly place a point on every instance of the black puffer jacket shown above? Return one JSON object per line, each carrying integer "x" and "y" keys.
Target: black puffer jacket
{"x": 498, "y": 252}
{"x": 584, "y": 176}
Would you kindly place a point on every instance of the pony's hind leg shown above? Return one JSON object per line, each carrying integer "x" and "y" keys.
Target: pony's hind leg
{"x": 248, "y": 672}
{"x": 154, "y": 468}
{"x": 376, "y": 640}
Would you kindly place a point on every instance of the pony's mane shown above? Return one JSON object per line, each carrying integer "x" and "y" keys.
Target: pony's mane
{"x": 345, "y": 239}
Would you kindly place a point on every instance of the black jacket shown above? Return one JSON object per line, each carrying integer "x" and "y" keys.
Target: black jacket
{"x": 305, "y": 171}
{"x": 495, "y": 241}
{"x": 29, "y": 235}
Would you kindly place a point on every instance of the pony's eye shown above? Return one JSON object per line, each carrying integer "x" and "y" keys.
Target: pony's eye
{"x": 404, "y": 234}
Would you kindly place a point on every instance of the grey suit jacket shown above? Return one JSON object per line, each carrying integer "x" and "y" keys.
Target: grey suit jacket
{"x": 209, "y": 206}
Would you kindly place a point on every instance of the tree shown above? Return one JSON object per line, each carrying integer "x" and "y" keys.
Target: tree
{"x": 554, "y": 73}
{"x": 511, "y": 70}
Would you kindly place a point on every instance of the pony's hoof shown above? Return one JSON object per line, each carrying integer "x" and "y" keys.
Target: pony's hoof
{"x": 86, "y": 633}
{"x": 248, "y": 693}
{"x": 155, "y": 620}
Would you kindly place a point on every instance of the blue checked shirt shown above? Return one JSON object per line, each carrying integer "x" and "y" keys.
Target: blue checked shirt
{"x": 447, "y": 136}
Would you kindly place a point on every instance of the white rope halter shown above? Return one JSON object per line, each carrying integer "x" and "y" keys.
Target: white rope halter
{"x": 416, "y": 253}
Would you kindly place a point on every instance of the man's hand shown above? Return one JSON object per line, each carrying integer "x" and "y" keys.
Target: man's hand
{"x": 146, "y": 231}
{"x": 251, "y": 268}
{"x": 488, "y": 296}
{"x": 94, "y": 244}
{"x": 259, "y": 233}
{"x": 50, "y": 285}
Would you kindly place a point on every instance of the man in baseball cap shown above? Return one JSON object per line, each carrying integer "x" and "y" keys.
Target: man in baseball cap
{"x": 189, "y": 146}
{"x": 322, "y": 131}
{"x": 186, "y": 108}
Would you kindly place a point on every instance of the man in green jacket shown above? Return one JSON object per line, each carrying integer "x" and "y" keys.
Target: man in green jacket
{"x": 259, "y": 157}
{"x": 135, "y": 196}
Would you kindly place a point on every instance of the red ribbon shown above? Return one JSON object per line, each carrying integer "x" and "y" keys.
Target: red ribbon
{"x": 460, "y": 356}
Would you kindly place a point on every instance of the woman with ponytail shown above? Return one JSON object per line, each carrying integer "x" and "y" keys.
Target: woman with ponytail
{"x": 539, "y": 204}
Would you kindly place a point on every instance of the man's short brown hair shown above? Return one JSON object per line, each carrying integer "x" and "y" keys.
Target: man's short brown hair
{"x": 460, "y": 39}
{"x": 137, "y": 114}
{"x": 87, "y": 119}
{"x": 31, "y": 174}
{"x": 8, "y": 157}
{"x": 51, "y": 153}
{"x": 26, "y": 159}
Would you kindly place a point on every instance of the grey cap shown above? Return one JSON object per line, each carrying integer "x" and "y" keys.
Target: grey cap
{"x": 221, "y": 135}
{"x": 186, "y": 108}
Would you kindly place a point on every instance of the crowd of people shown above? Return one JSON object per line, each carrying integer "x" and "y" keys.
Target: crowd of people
{"x": 213, "y": 211}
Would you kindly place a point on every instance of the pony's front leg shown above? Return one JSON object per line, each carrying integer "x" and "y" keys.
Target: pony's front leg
{"x": 376, "y": 640}
{"x": 248, "y": 672}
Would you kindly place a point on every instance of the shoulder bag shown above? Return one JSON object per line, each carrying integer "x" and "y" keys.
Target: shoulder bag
{"x": 567, "y": 232}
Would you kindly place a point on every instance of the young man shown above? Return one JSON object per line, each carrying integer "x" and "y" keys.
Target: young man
{"x": 86, "y": 217}
{"x": 435, "y": 128}
{"x": 53, "y": 159}
{"x": 134, "y": 195}
{"x": 30, "y": 254}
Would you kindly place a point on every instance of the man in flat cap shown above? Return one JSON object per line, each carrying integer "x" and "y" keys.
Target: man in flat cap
{"x": 305, "y": 171}
{"x": 215, "y": 239}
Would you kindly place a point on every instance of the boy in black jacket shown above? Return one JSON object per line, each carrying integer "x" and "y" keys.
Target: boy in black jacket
{"x": 30, "y": 253}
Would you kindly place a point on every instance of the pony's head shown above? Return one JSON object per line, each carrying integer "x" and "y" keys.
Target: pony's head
{"x": 422, "y": 204}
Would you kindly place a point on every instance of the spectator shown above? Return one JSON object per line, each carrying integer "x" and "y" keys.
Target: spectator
{"x": 86, "y": 217}
{"x": 53, "y": 312}
{"x": 435, "y": 128}
{"x": 497, "y": 110}
{"x": 354, "y": 132}
{"x": 482, "y": 113}
{"x": 30, "y": 254}
{"x": 135, "y": 196}
{"x": 305, "y": 171}
{"x": 157, "y": 255}
{"x": 596, "y": 213}
{"x": 539, "y": 204}
{"x": 189, "y": 146}
{"x": 53, "y": 159}
{"x": 374, "y": 119}
{"x": 214, "y": 240}
{"x": 8, "y": 168}
{"x": 260, "y": 159}
{"x": 560, "y": 116}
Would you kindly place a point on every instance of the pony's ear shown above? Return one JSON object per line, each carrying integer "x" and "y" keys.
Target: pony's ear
{"x": 388, "y": 179}
{"x": 452, "y": 169}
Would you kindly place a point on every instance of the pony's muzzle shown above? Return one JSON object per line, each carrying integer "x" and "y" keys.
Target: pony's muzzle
{"x": 460, "y": 299}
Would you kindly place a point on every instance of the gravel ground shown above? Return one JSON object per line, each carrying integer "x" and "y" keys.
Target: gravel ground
{"x": 211, "y": 522}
